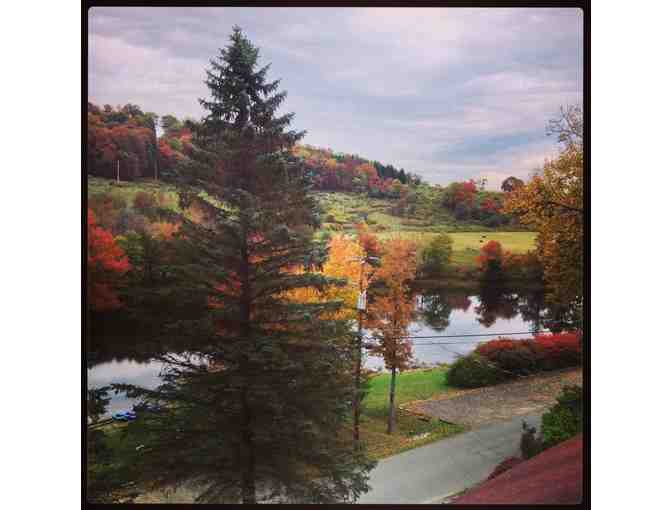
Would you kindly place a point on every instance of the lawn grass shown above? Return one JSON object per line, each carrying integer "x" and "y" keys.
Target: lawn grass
{"x": 412, "y": 431}
{"x": 411, "y": 385}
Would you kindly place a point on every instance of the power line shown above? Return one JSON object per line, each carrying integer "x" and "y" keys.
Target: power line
{"x": 472, "y": 335}
{"x": 445, "y": 343}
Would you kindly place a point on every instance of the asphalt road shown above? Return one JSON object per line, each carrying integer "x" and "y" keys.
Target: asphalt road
{"x": 430, "y": 473}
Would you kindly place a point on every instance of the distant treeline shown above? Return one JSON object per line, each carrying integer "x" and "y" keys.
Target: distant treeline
{"x": 123, "y": 143}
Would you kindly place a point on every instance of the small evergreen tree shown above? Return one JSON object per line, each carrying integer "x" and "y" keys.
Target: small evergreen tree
{"x": 257, "y": 401}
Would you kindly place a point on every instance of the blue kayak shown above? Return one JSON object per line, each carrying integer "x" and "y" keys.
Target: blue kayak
{"x": 124, "y": 416}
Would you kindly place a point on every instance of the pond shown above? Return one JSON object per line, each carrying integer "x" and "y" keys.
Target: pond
{"x": 447, "y": 320}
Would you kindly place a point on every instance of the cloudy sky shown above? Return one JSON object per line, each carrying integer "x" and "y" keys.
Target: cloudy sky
{"x": 446, "y": 93}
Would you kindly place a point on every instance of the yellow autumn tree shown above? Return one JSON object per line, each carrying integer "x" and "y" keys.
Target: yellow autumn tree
{"x": 552, "y": 204}
{"x": 344, "y": 262}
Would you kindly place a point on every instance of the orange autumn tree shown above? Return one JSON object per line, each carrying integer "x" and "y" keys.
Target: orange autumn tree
{"x": 106, "y": 263}
{"x": 390, "y": 315}
{"x": 368, "y": 241}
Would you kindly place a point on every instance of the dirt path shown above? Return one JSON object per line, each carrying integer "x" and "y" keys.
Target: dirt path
{"x": 482, "y": 406}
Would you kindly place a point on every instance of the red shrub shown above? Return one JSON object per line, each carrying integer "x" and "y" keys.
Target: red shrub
{"x": 559, "y": 350}
{"x": 512, "y": 356}
{"x": 490, "y": 348}
{"x": 543, "y": 352}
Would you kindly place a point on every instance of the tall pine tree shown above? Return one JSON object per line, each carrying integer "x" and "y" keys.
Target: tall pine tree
{"x": 255, "y": 405}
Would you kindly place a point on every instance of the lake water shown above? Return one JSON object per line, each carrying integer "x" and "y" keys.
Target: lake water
{"x": 439, "y": 313}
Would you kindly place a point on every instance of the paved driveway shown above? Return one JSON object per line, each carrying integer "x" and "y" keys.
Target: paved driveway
{"x": 430, "y": 473}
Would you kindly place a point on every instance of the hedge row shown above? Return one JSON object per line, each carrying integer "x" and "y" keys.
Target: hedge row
{"x": 504, "y": 358}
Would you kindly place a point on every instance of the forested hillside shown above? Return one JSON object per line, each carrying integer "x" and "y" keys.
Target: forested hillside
{"x": 123, "y": 145}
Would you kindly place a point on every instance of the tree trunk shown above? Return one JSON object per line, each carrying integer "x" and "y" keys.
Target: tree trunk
{"x": 248, "y": 491}
{"x": 392, "y": 414}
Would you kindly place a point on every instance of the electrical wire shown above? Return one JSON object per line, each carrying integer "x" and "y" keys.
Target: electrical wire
{"x": 472, "y": 335}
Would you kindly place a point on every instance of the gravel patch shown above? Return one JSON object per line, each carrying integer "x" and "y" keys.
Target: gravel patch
{"x": 481, "y": 406}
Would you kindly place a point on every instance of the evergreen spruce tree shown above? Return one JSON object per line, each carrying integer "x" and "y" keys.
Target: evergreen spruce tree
{"x": 254, "y": 407}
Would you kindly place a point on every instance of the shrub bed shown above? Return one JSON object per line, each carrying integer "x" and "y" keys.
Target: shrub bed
{"x": 504, "y": 358}
{"x": 517, "y": 357}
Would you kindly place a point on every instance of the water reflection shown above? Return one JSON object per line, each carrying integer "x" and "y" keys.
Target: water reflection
{"x": 129, "y": 371}
{"x": 436, "y": 305}
{"x": 439, "y": 312}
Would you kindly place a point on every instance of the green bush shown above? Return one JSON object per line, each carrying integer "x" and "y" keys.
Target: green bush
{"x": 565, "y": 419}
{"x": 473, "y": 371}
{"x": 435, "y": 257}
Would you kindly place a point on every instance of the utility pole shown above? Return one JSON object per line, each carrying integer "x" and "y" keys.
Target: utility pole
{"x": 361, "y": 306}
{"x": 117, "y": 171}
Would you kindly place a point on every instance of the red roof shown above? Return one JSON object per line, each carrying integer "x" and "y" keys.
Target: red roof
{"x": 555, "y": 476}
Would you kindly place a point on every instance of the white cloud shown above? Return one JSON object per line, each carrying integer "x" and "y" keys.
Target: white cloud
{"x": 403, "y": 86}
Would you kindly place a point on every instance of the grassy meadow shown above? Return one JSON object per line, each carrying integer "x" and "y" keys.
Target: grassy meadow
{"x": 342, "y": 211}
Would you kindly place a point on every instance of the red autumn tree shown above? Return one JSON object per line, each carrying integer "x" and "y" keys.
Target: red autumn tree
{"x": 390, "y": 315}
{"x": 491, "y": 260}
{"x": 106, "y": 262}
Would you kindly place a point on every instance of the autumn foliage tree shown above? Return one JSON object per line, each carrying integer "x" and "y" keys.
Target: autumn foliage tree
{"x": 460, "y": 193}
{"x": 106, "y": 263}
{"x": 122, "y": 138}
{"x": 552, "y": 204}
{"x": 490, "y": 261}
{"x": 343, "y": 263}
{"x": 368, "y": 241}
{"x": 390, "y": 314}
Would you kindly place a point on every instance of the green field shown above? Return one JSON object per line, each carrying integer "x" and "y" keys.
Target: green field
{"x": 466, "y": 245}
{"x": 342, "y": 211}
